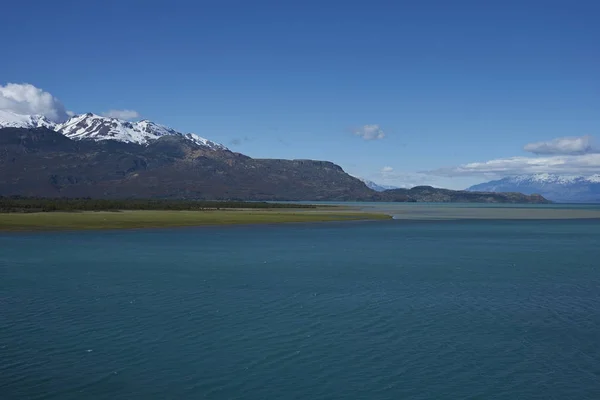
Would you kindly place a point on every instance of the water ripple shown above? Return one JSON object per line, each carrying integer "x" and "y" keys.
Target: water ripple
{"x": 438, "y": 311}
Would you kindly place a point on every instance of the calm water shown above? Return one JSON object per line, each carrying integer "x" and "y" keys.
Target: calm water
{"x": 377, "y": 310}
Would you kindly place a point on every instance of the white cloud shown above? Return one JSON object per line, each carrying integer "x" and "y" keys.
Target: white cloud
{"x": 24, "y": 98}
{"x": 122, "y": 114}
{"x": 370, "y": 132}
{"x": 564, "y": 145}
{"x": 565, "y": 155}
{"x": 386, "y": 169}
{"x": 585, "y": 164}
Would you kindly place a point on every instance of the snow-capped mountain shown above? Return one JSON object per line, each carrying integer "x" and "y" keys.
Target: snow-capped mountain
{"x": 377, "y": 187}
{"x": 9, "y": 119}
{"x": 94, "y": 127}
{"x": 560, "y": 188}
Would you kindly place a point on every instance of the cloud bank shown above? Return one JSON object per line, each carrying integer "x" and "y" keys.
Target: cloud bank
{"x": 370, "y": 132}
{"x": 122, "y": 114}
{"x": 24, "y": 98}
{"x": 567, "y": 164}
{"x": 564, "y": 155}
{"x": 564, "y": 145}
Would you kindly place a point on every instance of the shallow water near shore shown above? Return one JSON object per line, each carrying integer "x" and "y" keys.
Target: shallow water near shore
{"x": 380, "y": 310}
{"x": 486, "y": 211}
{"x": 428, "y": 212}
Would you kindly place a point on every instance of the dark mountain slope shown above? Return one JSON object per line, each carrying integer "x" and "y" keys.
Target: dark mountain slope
{"x": 41, "y": 162}
{"x": 44, "y": 163}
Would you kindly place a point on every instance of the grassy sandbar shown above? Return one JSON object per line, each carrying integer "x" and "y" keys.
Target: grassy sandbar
{"x": 163, "y": 219}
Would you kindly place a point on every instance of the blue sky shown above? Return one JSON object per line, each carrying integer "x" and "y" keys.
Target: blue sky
{"x": 444, "y": 88}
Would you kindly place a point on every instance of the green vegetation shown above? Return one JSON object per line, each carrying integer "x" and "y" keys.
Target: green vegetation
{"x": 29, "y": 204}
{"x": 164, "y": 219}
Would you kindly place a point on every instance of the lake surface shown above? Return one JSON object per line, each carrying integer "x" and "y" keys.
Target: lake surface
{"x": 371, "y": 310}
{"x": 490, "y": 211}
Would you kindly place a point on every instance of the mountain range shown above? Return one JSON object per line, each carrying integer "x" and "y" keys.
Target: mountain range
{"x": 95, "y": 127}
{"x": 93, "y": 156}
{"x": 559, "y": 188}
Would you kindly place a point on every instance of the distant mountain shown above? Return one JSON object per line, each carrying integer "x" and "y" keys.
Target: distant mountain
{"x": 377, "y": 187}
{"x": 94, "y": 127}
{"x": 428, "y": 194}
{"x": 559, "y": 188}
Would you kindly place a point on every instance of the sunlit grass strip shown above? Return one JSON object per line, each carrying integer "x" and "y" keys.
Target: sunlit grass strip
{"x": 162, "y": 219}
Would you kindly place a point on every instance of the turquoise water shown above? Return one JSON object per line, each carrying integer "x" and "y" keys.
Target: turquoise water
{"x": 372, "y": 310}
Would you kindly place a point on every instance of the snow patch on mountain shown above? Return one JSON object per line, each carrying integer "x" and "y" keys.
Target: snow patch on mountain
{"x": 594, "y": 178}
{"x": 546, "y": 178}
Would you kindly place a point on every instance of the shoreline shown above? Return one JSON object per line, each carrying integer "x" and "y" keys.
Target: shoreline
{"x": 419, "y": 213}
{"x": 80, "y": 220}
{"x": 144, "y": 219}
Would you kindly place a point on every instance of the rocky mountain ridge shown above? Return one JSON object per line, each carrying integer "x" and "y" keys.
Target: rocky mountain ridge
{"x": 95, "y": 127}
